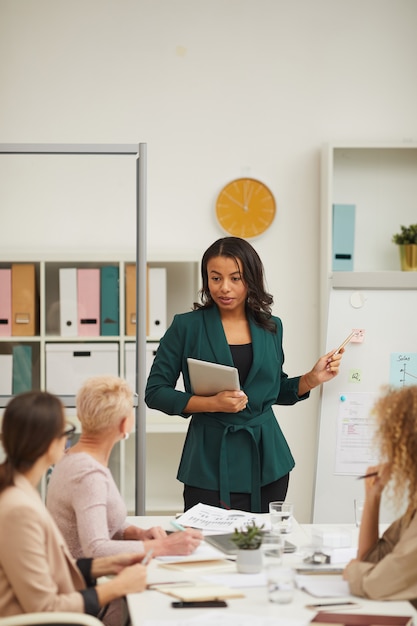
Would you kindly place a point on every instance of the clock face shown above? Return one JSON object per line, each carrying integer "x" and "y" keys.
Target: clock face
{"x": 245, "y": 208}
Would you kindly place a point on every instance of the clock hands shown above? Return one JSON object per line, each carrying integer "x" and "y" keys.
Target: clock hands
{"x": 247, "y": 194}
{"x": 242, "y": 206}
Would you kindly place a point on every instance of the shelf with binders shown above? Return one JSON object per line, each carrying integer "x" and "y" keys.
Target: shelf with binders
{"x": 82, "y": 300}
{"x": 20, "y": 368}
{"x": 172, "y": 287}
{"x": 175, "y": 289}
{"x": 20, "y": 341}
{"x": 20, "y": 285}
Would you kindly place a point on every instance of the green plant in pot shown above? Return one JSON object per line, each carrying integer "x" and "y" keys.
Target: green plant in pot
{"x": 406, "y": 239}
{"x": 248, "y": 543}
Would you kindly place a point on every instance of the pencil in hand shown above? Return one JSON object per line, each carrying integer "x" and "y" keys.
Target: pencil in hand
{"x": 367, "y": 475}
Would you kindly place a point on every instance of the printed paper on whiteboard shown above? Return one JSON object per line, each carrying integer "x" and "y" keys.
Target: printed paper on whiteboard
{"x": 355, "y": 449}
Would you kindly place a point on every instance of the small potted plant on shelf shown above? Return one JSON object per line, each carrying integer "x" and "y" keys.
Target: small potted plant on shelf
{"x": 407, "y": 242}
{"x": 248, "y": 543}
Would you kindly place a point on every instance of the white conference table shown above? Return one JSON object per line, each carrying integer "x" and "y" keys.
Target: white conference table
{"x": 152, "y": 605}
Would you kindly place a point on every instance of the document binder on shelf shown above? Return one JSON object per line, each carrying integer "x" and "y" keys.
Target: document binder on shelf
{"x": 109, "y": 300}
{"x": 22, "y": 369}
{"x": 343, "y": 237}
{"x": 130, "y": 299}
{"x": 68, "y": 301}
{"x": 88, "y": 297}
{"x": 23, "y": 299}
{"x": 6, "y": 374}
{"x": 157, "y": 302}
{"x": 5, "y": 302}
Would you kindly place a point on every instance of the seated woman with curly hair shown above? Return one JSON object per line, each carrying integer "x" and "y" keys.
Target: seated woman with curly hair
{"x": 385, "y": 567}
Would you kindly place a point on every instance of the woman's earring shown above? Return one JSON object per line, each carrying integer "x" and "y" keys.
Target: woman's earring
{"x": 126, "y": 436}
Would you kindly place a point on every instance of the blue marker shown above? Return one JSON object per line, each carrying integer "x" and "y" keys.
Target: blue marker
{"x": 177, "y": 526}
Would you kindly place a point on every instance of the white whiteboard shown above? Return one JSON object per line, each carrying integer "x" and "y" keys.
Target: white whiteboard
{"x": 389, "y": 320}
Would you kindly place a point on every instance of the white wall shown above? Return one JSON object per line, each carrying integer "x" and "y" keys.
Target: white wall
{"x": 217, "y": 89}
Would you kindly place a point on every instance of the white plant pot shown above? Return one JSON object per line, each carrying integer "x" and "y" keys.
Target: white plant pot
{"x": 249, "y": 561}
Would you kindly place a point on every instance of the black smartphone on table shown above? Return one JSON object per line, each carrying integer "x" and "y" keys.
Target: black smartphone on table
{"x": 199, "y": 604}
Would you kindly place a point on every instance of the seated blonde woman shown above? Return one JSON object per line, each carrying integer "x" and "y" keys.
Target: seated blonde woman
{"x": 82, "y": 495}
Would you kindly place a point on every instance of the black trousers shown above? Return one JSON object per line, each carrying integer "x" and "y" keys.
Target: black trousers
{"x": 241, "y": 501}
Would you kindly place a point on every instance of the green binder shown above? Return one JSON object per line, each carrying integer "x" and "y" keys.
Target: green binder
{"x": 109, "y": 300}
{"x": 22, "y": 369}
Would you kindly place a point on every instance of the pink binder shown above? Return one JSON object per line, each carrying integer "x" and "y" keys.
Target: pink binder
{"x": 5, "y": 302}
{"x": 88, "y": 302}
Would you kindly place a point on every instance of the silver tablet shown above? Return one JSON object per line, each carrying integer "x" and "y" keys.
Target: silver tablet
{"x": 207, "y": 378}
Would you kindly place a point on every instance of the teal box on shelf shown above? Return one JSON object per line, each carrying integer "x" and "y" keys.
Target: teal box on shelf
{"x": 343, "y": 237}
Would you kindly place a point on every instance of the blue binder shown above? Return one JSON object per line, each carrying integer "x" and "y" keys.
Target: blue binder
{"x": 22, "y": 369}
{"x": 343, "y": 237}
{"x": 109, "y": 300}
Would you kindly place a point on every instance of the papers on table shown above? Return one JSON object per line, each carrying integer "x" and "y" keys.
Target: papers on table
{"x": 198, "y": 593}
{"x": 214, "y": 519}
{"x": 204, "y": 552}
{"x": 235, "y": 579}
{"x": 331, "y": 586}
{"x": 223, "y": 617}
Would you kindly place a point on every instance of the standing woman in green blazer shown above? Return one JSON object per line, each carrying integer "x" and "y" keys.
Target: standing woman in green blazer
{"x": 235, "y": 454}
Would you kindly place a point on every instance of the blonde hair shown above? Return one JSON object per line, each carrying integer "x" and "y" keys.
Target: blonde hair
{"x": 396, "y": 436}
{"x": 102, "y": 402}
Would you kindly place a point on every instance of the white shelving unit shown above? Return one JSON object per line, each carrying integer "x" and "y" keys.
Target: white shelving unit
{"x": 381, "y": 181}
{"x": 164, "y": 434}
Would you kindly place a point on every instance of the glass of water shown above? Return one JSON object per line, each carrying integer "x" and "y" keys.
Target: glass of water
{"x": 281, "y": 516}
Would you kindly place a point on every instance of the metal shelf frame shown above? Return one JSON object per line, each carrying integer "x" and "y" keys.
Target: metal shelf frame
{"x": 139, "y": 152}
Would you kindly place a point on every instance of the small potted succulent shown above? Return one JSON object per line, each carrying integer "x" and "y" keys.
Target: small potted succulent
{"x": 248, "y": 543}
{"x": 406, "y": 239}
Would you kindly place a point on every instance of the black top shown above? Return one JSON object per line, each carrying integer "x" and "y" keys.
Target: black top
{"x": 242, "y": 356}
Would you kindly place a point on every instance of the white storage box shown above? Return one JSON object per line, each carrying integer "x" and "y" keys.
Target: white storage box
{"x": 336, "y": 537}
{"x": 68, "y": 365}
{"x": 130, "y": 362}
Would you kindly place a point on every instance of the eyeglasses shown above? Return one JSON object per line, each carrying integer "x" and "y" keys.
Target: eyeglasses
{"x": 69, "y": 432}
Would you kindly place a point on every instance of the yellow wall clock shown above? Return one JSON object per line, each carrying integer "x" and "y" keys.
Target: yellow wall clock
{"x": 245, "y": 208}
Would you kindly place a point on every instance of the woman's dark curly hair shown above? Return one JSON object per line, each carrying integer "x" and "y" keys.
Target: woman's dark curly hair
{"x": 259, "y": 301}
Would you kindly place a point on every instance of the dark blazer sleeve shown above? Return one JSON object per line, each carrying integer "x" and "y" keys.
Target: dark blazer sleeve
{"x": 167, "y": 367}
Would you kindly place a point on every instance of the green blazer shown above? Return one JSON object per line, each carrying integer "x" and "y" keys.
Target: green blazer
{"x": 228, "y": 452}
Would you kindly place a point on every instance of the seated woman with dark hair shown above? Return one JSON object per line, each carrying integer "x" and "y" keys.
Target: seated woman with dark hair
{"x": 37, "y": 571}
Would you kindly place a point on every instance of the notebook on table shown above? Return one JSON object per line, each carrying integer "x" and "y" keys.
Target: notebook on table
{"x": 225, "y": 544}
{"x": 208, "y": 378}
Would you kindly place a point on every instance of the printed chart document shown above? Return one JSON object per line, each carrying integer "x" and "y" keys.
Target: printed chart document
{"x": 214, "y": 519}
{"x": 355, "y": 450}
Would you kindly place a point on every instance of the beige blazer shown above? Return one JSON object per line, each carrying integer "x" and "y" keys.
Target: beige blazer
{"x": 389, "y": 570}
{"x": 37, "y": 572}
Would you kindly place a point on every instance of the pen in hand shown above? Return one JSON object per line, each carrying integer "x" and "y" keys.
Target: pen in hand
{"x": 177, "y": 526}
{"x": 367, "y": 475}
{"x": 147, "y": 557}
